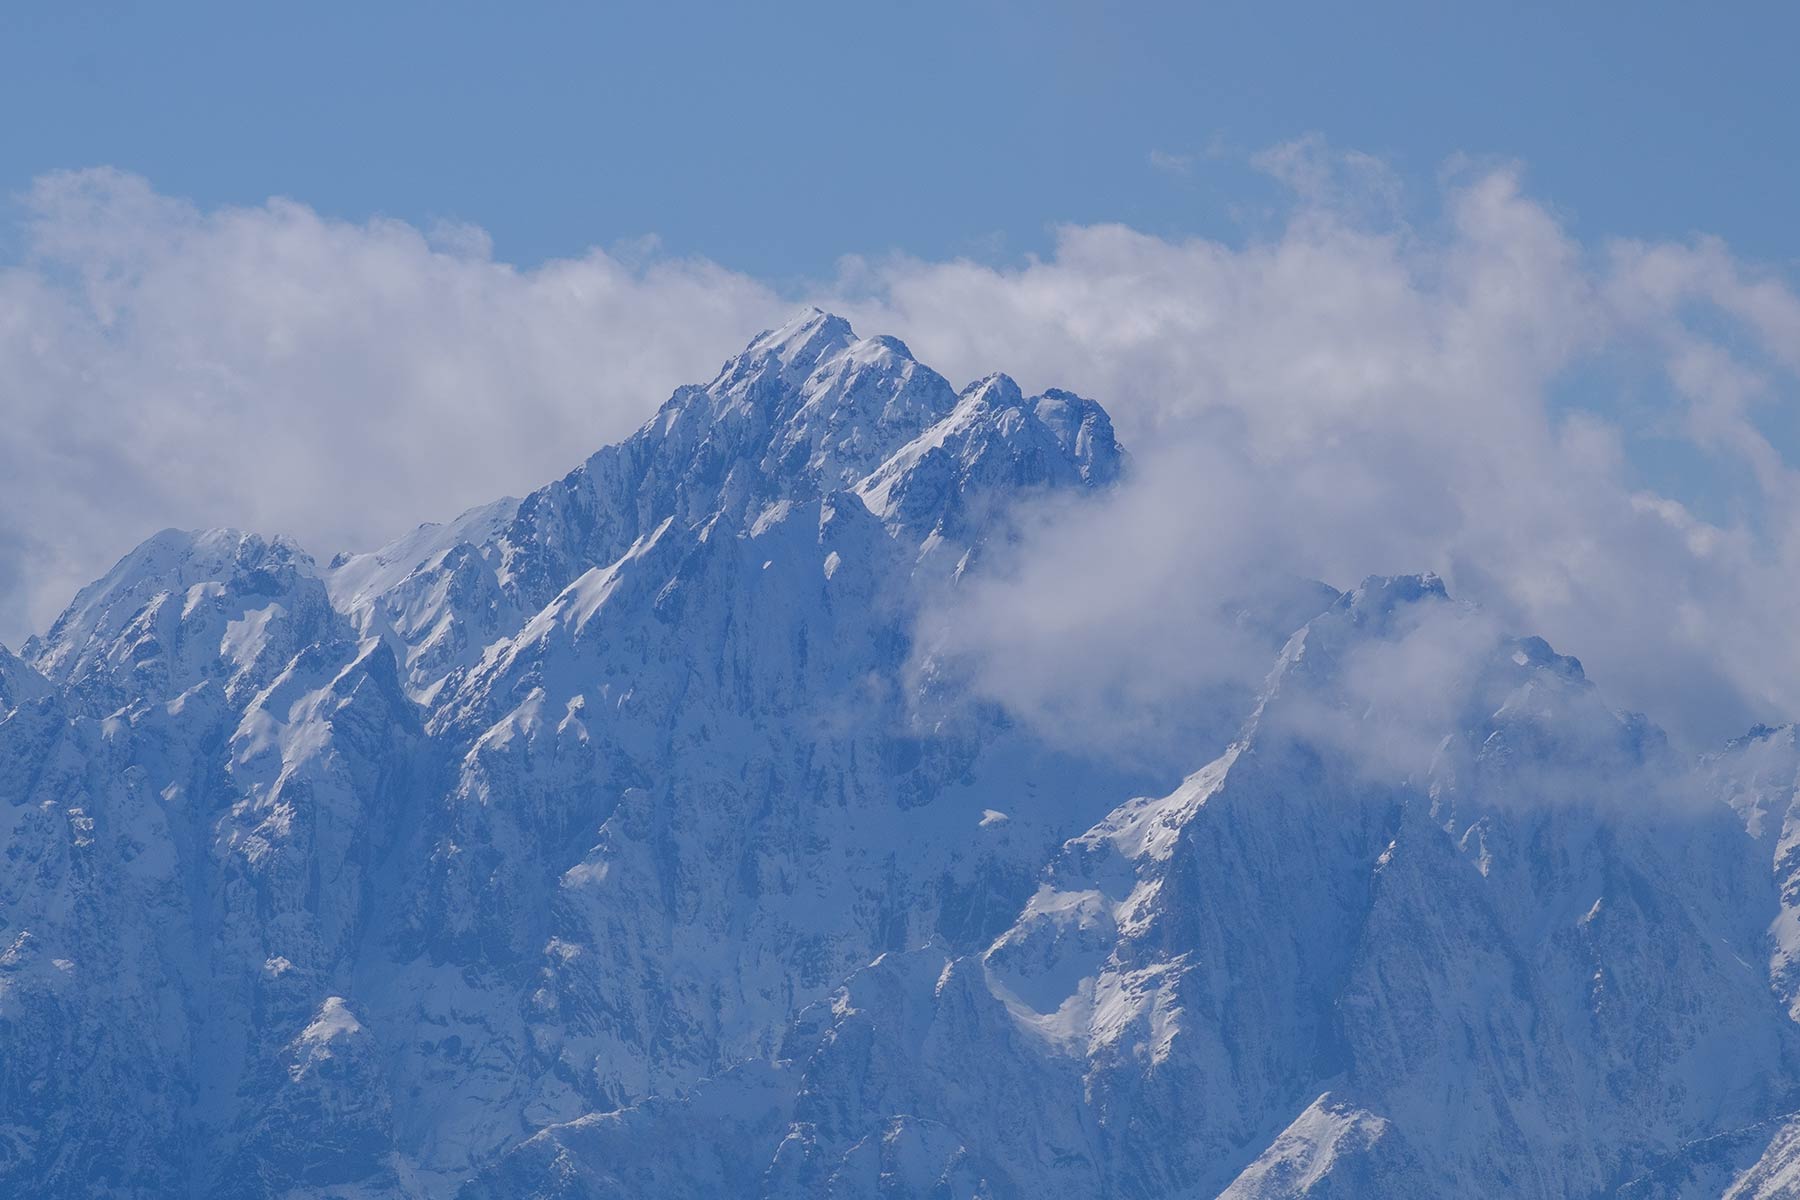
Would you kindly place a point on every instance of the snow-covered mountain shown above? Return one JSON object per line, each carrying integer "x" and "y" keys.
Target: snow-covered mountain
{"x": 626, "y": 840}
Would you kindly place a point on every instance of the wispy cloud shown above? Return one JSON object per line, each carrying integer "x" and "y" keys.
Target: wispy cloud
{"x": 1343, "y": 182}
{"x": 1172, "y": 163}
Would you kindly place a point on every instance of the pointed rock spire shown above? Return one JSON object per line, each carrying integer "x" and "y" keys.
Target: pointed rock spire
{"x": 802, "y": 344}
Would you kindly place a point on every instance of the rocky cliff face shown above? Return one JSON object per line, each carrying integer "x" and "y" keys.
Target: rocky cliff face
{"x": 621, "y": 841}
{"x": 1359, "y": 954}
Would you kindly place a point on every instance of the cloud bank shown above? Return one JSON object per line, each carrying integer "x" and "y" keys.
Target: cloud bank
{"x": 1476, "y": 394}
{"x": 271, "y": 369}
{"x": 1458, "y": 385}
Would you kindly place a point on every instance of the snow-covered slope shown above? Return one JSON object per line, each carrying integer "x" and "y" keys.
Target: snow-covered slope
{"x": 1522, "y": 963}
{"x": 621, "y": 841}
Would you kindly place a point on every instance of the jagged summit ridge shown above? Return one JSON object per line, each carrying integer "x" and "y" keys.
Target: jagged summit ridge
{"x": 804, "y": 411}
{"x": 812, "y": 401}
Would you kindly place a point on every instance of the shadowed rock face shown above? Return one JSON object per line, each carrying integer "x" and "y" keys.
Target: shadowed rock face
{"x": 620, "y": 841}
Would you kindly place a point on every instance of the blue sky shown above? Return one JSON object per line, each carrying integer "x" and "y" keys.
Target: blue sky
{"x": 775, "y": 138}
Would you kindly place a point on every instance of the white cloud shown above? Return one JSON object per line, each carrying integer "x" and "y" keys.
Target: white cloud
{"x": 269, "y": 368}
{"x": 1353, "y": 397}
{"x": 1358, "y": 393}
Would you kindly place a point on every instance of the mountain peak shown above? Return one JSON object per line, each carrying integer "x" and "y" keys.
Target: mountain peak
{"x": 173, "y": 598}
{"x": 169, "y": 560}
{"x": 811, "y": 337}
{"x": 1380, "y": 596}
{"x": 996, "y": 391}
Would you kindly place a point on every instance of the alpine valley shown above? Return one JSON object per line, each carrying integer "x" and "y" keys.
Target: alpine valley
{"x": 632, "y": 840}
